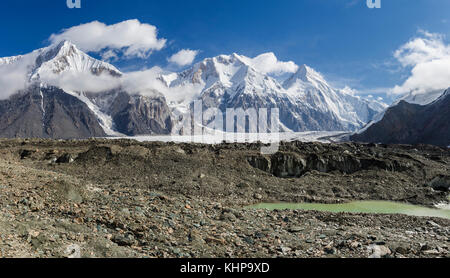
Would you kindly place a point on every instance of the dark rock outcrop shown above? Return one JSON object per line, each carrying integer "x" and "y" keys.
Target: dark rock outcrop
{"x": 441, "y": 183}
{"x": 293, "y": 165}
{"x": 408, "y": 123}
{"x": 134, "y": 114}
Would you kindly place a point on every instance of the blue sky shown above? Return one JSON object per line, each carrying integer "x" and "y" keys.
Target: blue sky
{"x": 343, "y": 39}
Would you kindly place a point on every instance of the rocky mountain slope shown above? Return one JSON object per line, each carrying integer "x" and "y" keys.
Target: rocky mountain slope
{"x": 410, "y": 123}
{"x": 47, "y": 112}
{"x": 135, "y": 114}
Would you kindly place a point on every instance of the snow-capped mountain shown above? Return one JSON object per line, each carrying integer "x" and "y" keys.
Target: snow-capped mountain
{"x": 310, "y": 87}
{"x": 412, "y": 123}
{"x": 62, "y": 97}
{"x": 60, "y": 58}
{"x": 48, "y": 106}
{"x": 414, "y": 97}
{"x": 421, "y": 98}
{"x": 66, "y": 57}
{"x": 305, "y": 100}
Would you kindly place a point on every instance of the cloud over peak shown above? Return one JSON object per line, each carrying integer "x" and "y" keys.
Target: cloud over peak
{"x": 134, "y": 38}
{"x": 268, "y": 63}
{"x": 428, "y": 58}
{"x": 184, "y": 57}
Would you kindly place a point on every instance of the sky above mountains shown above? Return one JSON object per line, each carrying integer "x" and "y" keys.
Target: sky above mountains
{"x": 384, "y": 52}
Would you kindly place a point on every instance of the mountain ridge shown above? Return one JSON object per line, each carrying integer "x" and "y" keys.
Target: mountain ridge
{"x": 306, "y": 103}
{"x": 411, "y": 123}
{"x": 223, "y": 79}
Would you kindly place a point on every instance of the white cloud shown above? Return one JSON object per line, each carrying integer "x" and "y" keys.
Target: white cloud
{"x": 139, "y": 81}
{"x": 109, "y": 55}
{"x": 145, "y": 82}
{"x": 134, "y": 38}
{"x": 81, "y": 81}
{"x": 428, "y": 57}
{"x": 13, "y": 76}
{"x": 184, "y": 57}
{"x": 148, "y": 81}
{"x": 268, "y": 63}
{"x": 11, "y": 81}
{"x": 350, "y": 91}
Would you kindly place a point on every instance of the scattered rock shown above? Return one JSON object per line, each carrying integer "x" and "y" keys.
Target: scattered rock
{"x": 441, "y": 183}
{"x": 26, "y": 153}
{"x": 73, "y": 251}
{"x": 258, "y": 196}
{"x": 121, "y": 240}
{"x": 66, "y": 158}
{"x": 378, "y": 251}
{"x": 242, "y": 185}
{"x": 296, "y": 229}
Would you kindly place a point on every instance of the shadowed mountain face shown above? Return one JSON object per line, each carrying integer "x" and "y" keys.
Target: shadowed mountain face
{"x": 408, "y": 123}
{"x": 47, "y": 113}
{"x": 136, "y": 114}
{"x": 53, "y": 113}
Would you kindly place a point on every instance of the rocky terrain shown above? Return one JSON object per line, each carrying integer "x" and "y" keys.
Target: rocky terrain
{"x": 121, "y": 198}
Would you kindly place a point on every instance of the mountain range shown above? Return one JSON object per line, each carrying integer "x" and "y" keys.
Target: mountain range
{"x": 47, "y": 107}
{"x": 305, "y": 100}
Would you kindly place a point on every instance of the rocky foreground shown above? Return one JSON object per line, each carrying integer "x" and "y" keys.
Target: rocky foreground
{"x": 101, "y": 198}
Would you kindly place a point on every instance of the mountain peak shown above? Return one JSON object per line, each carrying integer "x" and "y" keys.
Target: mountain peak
{"x": 66, "y": 57}
{"x": 305, "y": 74}
{"x": 233, "y": 59}
{"x": 223, "y": 69}
{"x": 65, "y": 46}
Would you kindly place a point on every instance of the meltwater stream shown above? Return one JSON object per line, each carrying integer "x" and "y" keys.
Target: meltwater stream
{"x": 383, "y": 207}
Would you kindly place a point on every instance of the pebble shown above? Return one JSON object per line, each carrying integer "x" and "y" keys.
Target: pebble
{"x": 378, "y": 251}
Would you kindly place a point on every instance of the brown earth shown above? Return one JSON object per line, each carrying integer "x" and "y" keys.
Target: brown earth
{"x": 123, "y": 198}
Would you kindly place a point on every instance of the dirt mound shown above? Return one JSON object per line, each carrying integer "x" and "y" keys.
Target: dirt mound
{"x": 96, "y": 154}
